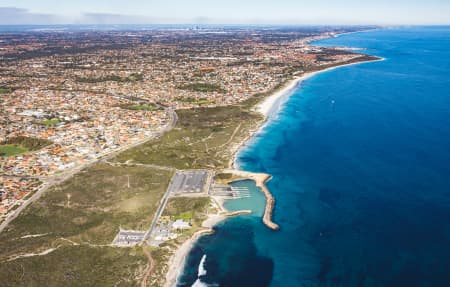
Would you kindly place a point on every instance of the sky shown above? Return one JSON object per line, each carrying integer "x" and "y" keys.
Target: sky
{"x": 293, "y": 12}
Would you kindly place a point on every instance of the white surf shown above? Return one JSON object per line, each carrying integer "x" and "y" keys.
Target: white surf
{"x": 201, "y": 272}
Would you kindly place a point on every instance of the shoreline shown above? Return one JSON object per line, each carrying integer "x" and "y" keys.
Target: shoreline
{"x": 269, "y": 106}
{"x": 178, "y": 259}
{"x": 266, "y": 107}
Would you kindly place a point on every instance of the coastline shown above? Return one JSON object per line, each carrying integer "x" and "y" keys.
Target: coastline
{"x": 271, "y": 104}
{"x": 268, "y": 107}
{"x": 177, "y": 260}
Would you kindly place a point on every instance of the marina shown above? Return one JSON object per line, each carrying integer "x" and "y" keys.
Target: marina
{"x": 230, "y": 192}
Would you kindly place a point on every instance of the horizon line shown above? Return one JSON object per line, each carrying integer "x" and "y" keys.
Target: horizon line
{"x": 233, "y": 24}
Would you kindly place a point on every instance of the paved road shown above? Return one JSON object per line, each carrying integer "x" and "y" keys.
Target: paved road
{"x": 164, "y": 200}
{"x": 58, "y": 179}
{"x": 158, "y": 214}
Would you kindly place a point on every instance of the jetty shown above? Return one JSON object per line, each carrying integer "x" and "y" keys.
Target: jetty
{"x": 260, "y": 179}
{"x": 236, "y": 213}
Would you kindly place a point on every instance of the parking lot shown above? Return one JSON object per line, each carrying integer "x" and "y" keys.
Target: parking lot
{"x": 189, "y": 181}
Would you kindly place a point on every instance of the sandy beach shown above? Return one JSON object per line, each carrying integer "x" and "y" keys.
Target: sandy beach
{"x": 176, "y": 263}
{"x": 271, "y": 105}
{"x": 274, "y": 102}
{"x": 267, "y": 107}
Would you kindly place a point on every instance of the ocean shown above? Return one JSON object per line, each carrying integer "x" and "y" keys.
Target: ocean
{"x": 360, "y": 158}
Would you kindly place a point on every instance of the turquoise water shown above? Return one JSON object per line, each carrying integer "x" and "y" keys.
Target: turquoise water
{"x": 256, "y": 202}
{"x": 360, "y": 158}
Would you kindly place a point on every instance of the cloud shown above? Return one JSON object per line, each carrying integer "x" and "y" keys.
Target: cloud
{"x": 18, "y": 16}
{"x": 105, "y": 18}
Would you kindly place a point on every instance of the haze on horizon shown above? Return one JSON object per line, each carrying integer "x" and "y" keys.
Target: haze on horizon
{"x": 294, "y": 12}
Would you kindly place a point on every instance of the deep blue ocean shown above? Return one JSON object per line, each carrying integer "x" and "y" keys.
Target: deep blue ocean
{"x": 360, "y": 158}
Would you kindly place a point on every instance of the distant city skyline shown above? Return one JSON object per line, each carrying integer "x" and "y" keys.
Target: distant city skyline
{"x": 319, "y": 12}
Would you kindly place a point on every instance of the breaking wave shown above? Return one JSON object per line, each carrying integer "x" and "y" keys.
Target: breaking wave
{"x": 201, "y": 267}
{"x": 201, "y": 272}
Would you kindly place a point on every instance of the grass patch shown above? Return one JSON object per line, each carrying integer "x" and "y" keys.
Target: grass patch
{"x": 226, "y": 178}
{"x": 199, "y": 102}
{"x": 186, "y": 216}
{"x": 12, "y": 150}
{"x": 223, "y": 176}
{"x": 50, "y": 122}
{"x": 135, "y": 77}
{"x": 141, "y": 107}
{"x": 4, "y": 91}
{"x": 187, "y": 208}
{"x": 202, "y": 87}
{"x": 31, "y": 144}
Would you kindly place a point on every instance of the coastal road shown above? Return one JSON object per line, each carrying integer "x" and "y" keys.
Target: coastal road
{"x": 58, "y": 179}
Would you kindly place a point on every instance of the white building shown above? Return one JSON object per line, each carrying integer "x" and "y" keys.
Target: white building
{"x": 181, "y": 224}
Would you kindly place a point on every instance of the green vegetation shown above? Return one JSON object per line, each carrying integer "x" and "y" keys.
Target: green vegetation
{"x": 187, "y": 208}
{"x": 30, "y": 144}
{"x": 135, "y": 77}
{"x": 88, "y": 209}
{"x": 141, "y": 107}
{"x": 76, "y": 266}
{"x": 202, "y": 87}
{"x": 161, "y": 258}
{"x": 178, "y": 208}
{"x": 199, "y": 102}
{"x": 11, "y": 150}
{"x": 201, "y": 139}
{"x": 223, "y": 176}
{"x": 19, "y": 145}
{"x": 5, "y": 91}
{"x": 186, "y": 216}
{"x": 50, "y": 122}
